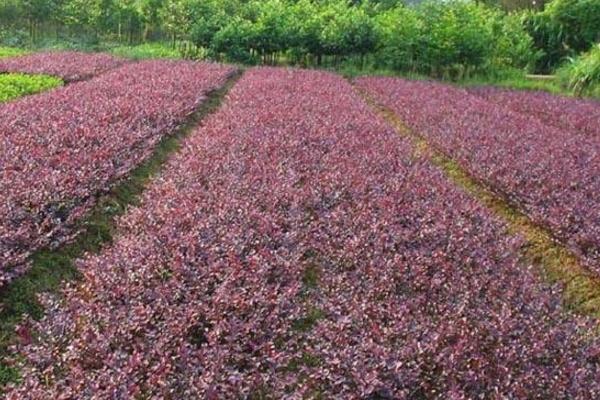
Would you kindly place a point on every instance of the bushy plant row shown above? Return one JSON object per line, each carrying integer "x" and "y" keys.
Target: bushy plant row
{"x": 60, "y": 148}
{"x": 550, "y": 173}
{"x": 10, "y": 52}
{"x": 13, "y": 86}
{"x": 69, "y": 65}
{"x": 578, "y": 116}
{"x": 295, "y": 248}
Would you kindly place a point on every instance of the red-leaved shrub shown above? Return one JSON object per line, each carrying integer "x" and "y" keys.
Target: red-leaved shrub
{"x": 579, "y": 116}
{"x": 297, "y": 248}
{"x": 550, "y": 173}
{"x": 69, "y": 65}
{"x": 59, "y": 149}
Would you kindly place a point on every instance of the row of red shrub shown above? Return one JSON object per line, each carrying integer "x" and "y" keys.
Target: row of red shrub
{"x": 59, "y": 149}
{"x": 579, "y": 116}
{"x": 69, "y": 65}
{"x": 297, "y": 248}
{"x": 552, "y": 174}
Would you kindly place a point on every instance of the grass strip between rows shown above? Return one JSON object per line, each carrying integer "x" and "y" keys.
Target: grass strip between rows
{"x": 52, "y": 267}
{"x": 557, "y": 264}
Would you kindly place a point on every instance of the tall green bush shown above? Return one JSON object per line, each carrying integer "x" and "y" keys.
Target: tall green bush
{"x": 564, "y": 29}
{"x": 582, "y": 74}
{"x": 452, "y": 39}
{"x": 401, "y": 36}
{"x": 513, "y": 46}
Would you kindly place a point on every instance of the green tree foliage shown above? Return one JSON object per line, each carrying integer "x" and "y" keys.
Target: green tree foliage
{"x": 401, "y": 36}
{"x": 443, "y": 38}
{"x": 451, "y": 39}
{"x": 514, "y": 47}
{"x": 564, "y": 29}
{"x": 176, "y": 18}
{"x": 582, "y": 74}
{"x": 235, "y": 40}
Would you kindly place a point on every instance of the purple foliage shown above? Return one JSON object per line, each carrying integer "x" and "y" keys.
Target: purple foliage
{"x": 296, "y": 248}
{"x": 69, "y": 65}
{"x": 575, "y": 115}
{"x": 60, "y": 148}
{"x": 550, "y": 173}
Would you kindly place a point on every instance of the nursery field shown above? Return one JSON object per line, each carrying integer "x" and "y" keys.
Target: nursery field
{"x": 295, "y": 243}
{"x": 69, "y": 66}
{"x": 61, "y": 148}
{"x": 542, "y": 156}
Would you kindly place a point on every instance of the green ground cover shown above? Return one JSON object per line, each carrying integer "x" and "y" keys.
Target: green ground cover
{"x": 13, "y": 86}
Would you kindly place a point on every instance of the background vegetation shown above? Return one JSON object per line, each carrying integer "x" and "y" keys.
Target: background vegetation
{"x": 582, "y": 74}
{"x": 454, "y": 39}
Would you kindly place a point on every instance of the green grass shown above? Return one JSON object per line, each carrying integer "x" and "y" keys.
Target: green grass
{"x": 307, "y": 359}
{"x": 13, "y": 86}
{"x": 147, "y": 50}
{"x": 11, "y": 52}
{"x": 350, "y": 71}
{"x": 52, "y": 267}
{"x": 519, "y": 82}
{"x": 308, "y": 321}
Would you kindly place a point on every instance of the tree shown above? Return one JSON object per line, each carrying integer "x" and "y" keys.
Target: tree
{"x": 150, "y": 14}
{"x": 175, "y": 16}
{"x": 234, "y": 40}
{"x": 36, "y": 13}
{"x": 400, "y": 33}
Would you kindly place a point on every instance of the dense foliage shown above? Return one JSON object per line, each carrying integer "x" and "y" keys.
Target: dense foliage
{"x": 582, "y": 74}
{"x": 577, "y": 116}
{"x": 486, "y": 35}
{"x": 453, "y": 37}
{"x": 442, "y": 38}
{"x": 70, "y": 66}
{"x": 13, "y": 86}
{"x": 59, "y": 149}
{"x": 296, "y": 248}
{"x": 551, "y": 173}
{"x": 564, "y": 29}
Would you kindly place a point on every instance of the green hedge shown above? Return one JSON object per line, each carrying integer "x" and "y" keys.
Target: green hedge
{"x": 10, "y": 52}
{"x": 13, "y": 86}
{"x": 147, "y": 50}
{"x": 582, "y": 74}
{"x": 564, "y": 29}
